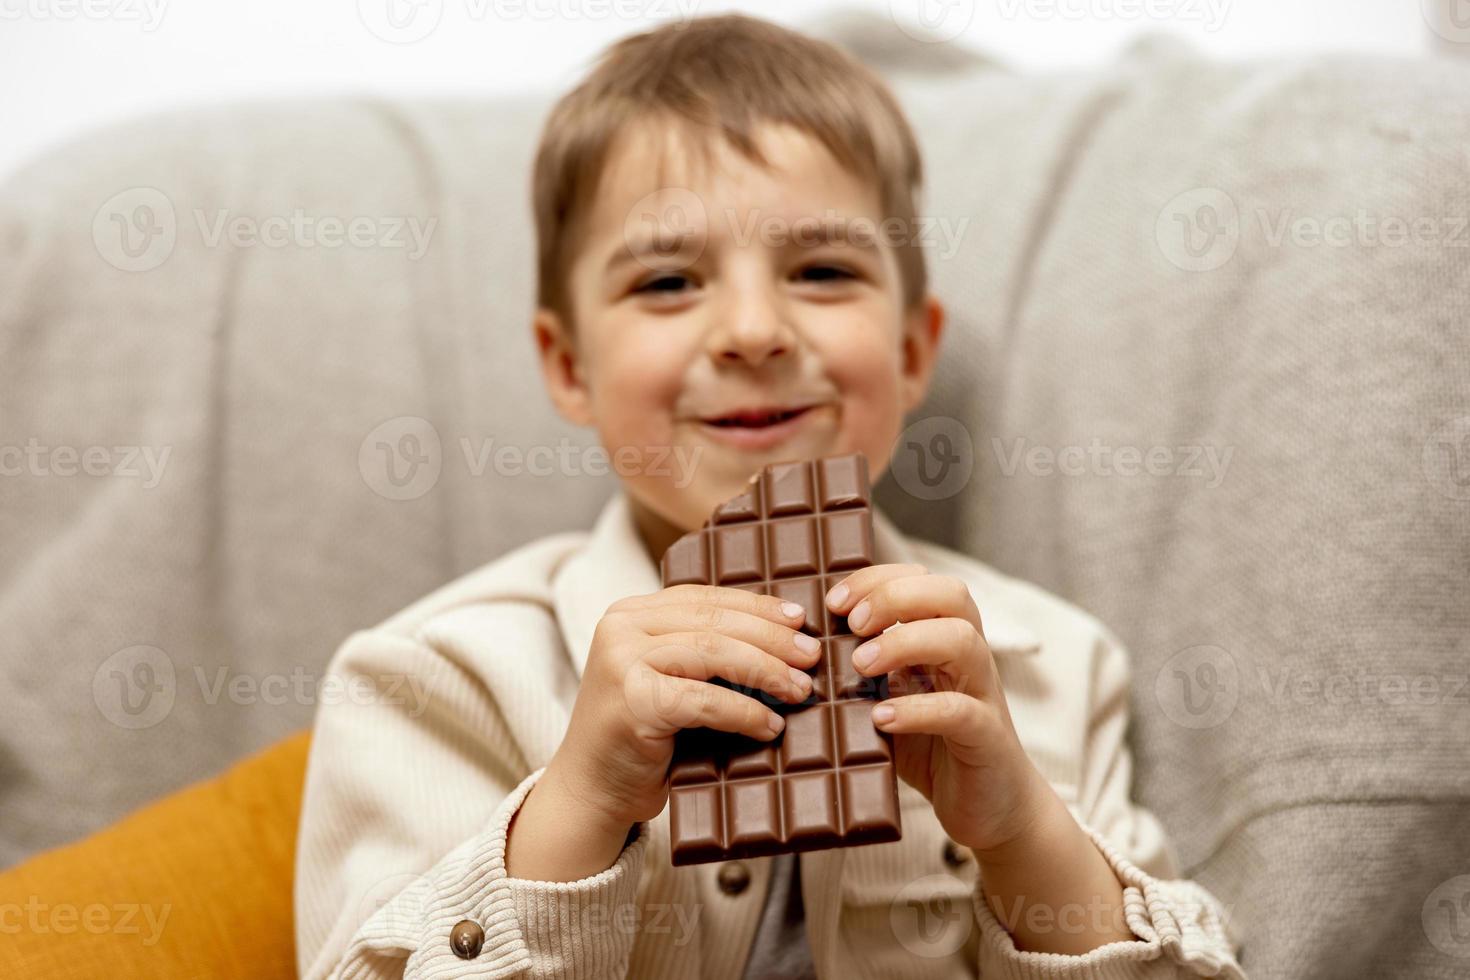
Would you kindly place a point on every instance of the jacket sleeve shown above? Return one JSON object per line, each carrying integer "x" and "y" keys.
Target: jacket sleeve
{"x": 1182, "y": 930}
{"x": 411, "y": 784}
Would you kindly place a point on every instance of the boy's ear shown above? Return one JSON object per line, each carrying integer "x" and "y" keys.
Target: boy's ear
{"x": 562, "y": 368}
{"x": 923, "y": 327}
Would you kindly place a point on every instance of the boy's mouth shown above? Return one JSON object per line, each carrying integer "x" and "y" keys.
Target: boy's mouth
{"x": 755, "y": 418}
{"x": 756, "y": 428}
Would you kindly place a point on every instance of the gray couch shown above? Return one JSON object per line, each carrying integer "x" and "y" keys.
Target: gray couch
{"x": 1243, "y": 445}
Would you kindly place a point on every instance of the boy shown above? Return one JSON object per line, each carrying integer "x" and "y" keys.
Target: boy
{"x": 710, "y": 286}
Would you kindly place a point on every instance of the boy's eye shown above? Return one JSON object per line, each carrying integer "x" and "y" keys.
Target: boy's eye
{"x": 827, "y": 273}
{"x": 662, "y": 284}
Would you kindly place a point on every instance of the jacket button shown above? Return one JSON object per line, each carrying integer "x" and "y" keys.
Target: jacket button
{"x": 954, "y": 855}
{"x": 734, "y": 878}
{"x": 466, "y": 939}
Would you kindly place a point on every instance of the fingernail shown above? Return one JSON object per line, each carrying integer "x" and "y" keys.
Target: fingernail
{"x": 807, "y": 644}
{"x": 792, "y": 610}
{"x": 775, "y": 723}
{"x": 858, "y": 616}
{"x": 837, "y": 595}
{"x": 864, "y": 655}
{"x": 882, "y": 714}
{"x": 802, "y": 680}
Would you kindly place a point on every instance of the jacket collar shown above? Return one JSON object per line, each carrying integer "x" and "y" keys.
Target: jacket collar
{"x": 613, "y": 564}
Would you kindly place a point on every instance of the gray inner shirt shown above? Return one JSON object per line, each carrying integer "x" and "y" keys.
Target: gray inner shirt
{"x": 781, "y": 950}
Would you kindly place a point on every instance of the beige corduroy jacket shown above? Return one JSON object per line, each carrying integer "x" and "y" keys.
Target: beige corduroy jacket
{"x": 450, "y": 710}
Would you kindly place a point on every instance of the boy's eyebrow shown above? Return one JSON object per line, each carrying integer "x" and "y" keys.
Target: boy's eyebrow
{"x": 660, "y": 246}
{"x": 835, "y": 230}
{"x": 804, "y": 232}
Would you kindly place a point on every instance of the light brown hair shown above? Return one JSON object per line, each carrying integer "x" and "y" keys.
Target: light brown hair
{"x": 721, "y": 76}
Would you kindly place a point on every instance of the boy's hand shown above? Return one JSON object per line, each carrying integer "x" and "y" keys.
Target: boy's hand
{"x": 953, "y": 737}
{"x": 645, "y": 680}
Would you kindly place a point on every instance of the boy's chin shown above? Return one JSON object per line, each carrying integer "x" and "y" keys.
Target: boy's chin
{"x": 680, "y": 510}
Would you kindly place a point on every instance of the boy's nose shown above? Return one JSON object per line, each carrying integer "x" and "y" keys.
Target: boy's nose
{"x": 753, "y": 332}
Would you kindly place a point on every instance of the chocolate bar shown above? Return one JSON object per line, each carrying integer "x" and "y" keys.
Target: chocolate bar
{"x": 828, "y": 779}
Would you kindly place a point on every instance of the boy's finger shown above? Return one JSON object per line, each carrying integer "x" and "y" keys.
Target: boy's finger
{"x": 949, "y": 644}
{"x": 852, "y": 589}
{"x": 946, "y": 714}
{"x": 791, "y": 645}
{"x": 702, "y": 656}
{"x": 912, "y": 598}
{"x": 766, "y": 606}
{"x": 694, "y": 704}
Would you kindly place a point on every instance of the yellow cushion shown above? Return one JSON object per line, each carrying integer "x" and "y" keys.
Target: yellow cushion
{"x": 197, "y": 884}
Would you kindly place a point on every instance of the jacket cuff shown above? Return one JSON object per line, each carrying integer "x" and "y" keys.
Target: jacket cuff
{"x": 1182, "y": 932}
{"x": 469, "y": 885}
{"x": 540, "y": 929}
{"x": 584, "y": 928}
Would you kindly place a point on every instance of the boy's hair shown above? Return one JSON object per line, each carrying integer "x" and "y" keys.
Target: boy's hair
{"x": 723, "y": 75}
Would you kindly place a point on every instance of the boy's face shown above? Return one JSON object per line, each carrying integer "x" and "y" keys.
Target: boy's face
{"x": 734, "y": 334}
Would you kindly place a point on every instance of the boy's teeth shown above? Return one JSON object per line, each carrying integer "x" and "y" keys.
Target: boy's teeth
{"x": 755, "y": 420}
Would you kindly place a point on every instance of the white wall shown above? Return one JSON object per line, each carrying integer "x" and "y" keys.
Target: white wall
{"x": 69, "y": 64}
